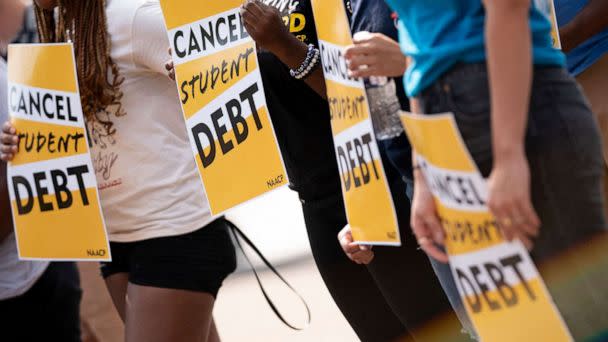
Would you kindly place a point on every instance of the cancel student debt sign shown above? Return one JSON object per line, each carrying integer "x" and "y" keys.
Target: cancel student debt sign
{"x": 502, "y": 290}
{"x": 52, "y": 183}
{"x": 223, "y": 101}
{"x": 369, "y": 205}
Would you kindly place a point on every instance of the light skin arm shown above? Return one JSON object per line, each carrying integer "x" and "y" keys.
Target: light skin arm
{"x": 591, "y": 20}
{"x": 509, "y": 60}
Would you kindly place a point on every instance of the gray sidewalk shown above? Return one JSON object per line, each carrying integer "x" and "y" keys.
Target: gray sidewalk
{"x": 242, "y": 313}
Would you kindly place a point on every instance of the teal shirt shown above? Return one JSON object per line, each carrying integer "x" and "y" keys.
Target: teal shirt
{"x": 438, "y": 34}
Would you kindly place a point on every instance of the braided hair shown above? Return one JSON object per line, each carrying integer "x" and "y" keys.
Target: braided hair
{"x": 84, "y": 23}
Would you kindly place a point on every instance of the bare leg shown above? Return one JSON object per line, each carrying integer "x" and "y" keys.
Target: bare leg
{"x": 117, "y": 286}
{"x": 214, "y": 336}
{"x": 166, "y": 315}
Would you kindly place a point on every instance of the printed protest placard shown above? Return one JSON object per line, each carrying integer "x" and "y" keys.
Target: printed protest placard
{"x": 52, "y": 184}
{"x": 369, "y": 204}
{"x": 501, "y": 288}
{"x": 223, "y": 101}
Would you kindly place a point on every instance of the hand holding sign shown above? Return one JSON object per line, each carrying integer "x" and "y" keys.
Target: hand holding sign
{"x": 509, "y": 200}
{"x": 425, "y": 221}
{"x": 9, "y": 141}
{"x": 264, "y": 25}
{"x": 374, "y": 54}
{"x": 360, "y": 254}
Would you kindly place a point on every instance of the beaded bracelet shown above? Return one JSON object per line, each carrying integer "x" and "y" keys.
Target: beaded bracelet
{"x": 313, "y": 64}
{"x": 310, "y": 62}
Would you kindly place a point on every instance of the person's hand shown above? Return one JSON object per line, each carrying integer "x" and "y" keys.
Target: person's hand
{"x": 374, "y": 54}
{"x": 425, "y": 221}
{"x": 264, "y": 25}
{"x": 361, "y": 254}
{"x": 170, "y": 67}
{"x": 9, "y": 141}
{"x": 509, "y": 199}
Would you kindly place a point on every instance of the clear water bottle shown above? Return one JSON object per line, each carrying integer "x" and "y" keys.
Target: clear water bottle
{"x": 384, "y": 107}
{"x": 383, "y": 102}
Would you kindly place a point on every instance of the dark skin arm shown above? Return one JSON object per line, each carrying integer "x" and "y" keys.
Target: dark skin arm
{"x": 6, "y": 221}
{"x": 265, "y": 26}
{"x": 589, "y": 22}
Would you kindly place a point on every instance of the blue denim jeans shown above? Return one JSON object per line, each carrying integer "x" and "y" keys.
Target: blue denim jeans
{"x": 563, "y": 148}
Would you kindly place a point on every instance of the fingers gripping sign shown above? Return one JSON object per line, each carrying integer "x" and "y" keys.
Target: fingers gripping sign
{"x": 358, "y": 253}
{"x": 264, "y": 24}
{"x": 511, "y": 204}
{"x": 9, "y": 142}
{"x": 425, "y": 222}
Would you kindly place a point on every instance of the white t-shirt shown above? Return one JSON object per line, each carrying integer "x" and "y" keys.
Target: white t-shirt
{"x": 16, "y": 277}
{"x": 148, "y": 180}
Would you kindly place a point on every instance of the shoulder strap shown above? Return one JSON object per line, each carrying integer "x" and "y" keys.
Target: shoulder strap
{"x": 238, "y": 235}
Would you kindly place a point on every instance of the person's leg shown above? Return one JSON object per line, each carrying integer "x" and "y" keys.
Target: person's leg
{"x": 595, "y": 84}
{"x": 63, "y": 301}
{"x": 564, "y": 153}
{"x": 116, "y": 275}
{"x": 350, "y": 285}
{"x": 98, "y": 312}
{"x": 564, "y": 149}
{"x": 173, "y": 283}
{"x": 166, "y": 315}
{"x": 117, "y": 287}
{"x": 214, "y": 335}
{"x": 47, "y": 311}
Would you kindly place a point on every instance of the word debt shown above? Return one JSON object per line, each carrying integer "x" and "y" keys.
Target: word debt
{"x": 209, "y": 35}
{"x": 39, "y": 190}
{"x": 478, "y": 279}
{"x": 41, "y": 104}
{"x": 354, "y": 160}
{"x": 234, "y": 111}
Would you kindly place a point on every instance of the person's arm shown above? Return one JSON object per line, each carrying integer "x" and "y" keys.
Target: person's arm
{"x": 264, "y": 25}
{"x": 509, "y": 60}
{"x": 591, "y": 20}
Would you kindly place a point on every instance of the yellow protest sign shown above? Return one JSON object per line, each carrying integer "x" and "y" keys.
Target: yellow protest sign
{"x": 52, "y": 184}
{"x": 501, "y": 288}
{"x": 223, "y": 101}
{"x": 369, "y": 205}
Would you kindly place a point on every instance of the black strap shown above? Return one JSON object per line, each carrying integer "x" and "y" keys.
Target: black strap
{"x": 238, "y": 233}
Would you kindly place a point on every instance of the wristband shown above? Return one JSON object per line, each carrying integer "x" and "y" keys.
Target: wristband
{"x": 310, "y": 62}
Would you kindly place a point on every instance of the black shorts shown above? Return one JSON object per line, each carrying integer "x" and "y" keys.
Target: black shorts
{"x": 197, "y": 261}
